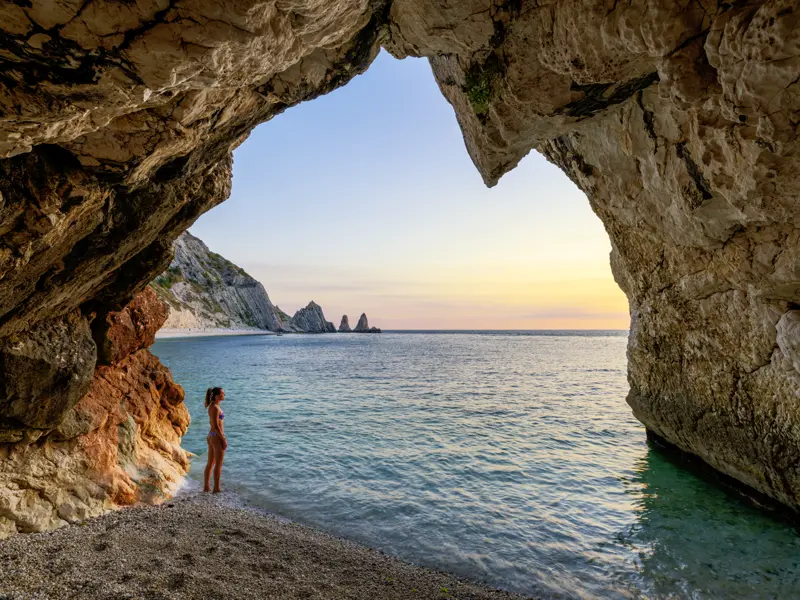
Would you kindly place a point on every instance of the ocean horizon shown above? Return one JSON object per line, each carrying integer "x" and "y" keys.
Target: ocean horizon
{"x": 518, "y": 331}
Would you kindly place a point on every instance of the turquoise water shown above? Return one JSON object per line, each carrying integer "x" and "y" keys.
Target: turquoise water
{"x": 510, "y": 458}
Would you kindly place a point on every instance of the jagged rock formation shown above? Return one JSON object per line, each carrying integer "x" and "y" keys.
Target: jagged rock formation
{"x": 205, "y": 290}
{"x": 121, "y": 334}
{"x": 363, "y": 325}
{"x": 310, "y": 319}
{"x": 344, "y": 326}
{"x": 117, "y": 444}
{"x": 678, "y": 119}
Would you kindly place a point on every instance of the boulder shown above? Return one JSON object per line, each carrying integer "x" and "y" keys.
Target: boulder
{"x": 120, "y": 334}
{"x": 120, "y": 445}
{"x": 44, "y": 372}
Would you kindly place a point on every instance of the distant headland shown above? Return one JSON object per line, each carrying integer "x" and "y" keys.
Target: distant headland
{"x": 205, "y": 291}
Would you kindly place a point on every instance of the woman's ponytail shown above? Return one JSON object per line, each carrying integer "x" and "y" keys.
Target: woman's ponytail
{"x": 212, "y": 393}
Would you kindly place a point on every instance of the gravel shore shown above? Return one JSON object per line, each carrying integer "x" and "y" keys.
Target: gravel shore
{"x": 204, "y": 546}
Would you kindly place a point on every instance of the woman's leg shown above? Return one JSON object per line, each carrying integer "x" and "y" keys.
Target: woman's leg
{"x": 212, "y": 457}
{"x": 218, "y": 458}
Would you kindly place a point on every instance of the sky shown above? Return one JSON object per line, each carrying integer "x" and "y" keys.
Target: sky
{"x": 365, "y": 200}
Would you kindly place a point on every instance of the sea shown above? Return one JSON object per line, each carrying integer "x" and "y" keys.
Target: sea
{"x": 506, "y": 457}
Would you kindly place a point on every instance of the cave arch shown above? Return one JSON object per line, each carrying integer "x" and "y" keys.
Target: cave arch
{"x": 678, "y": 120}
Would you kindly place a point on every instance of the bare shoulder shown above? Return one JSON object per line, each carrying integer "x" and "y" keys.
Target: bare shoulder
{"x": 214, "y": 410}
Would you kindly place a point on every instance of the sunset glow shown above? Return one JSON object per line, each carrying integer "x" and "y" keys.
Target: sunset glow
{"x": 365, "y": 200}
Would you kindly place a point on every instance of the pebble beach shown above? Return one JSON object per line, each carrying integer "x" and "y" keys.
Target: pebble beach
{"x": 211, "y": 547}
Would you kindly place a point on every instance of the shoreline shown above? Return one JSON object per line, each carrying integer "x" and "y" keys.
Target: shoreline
{"x": 166, "y": 334}
{"x": 212, "y": 546}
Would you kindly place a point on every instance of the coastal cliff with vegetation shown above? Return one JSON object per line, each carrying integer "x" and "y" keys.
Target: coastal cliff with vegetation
{"x": 206, "y": 291}
{"x": 677, "y": 119}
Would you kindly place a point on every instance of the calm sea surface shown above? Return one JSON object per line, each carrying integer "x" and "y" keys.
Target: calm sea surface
{"x": 505, "y": 457}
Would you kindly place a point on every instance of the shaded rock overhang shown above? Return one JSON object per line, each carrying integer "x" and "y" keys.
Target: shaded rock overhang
{"x": 677, "y": 118}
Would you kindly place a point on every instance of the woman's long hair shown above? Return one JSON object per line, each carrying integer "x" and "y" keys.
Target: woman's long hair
{"x": 212, "y": 393}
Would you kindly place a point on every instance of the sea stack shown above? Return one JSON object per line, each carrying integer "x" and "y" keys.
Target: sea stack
{"x": 311, "y": 319}
{"x": 363, "y": 326}
{"x": 344, "y": 326}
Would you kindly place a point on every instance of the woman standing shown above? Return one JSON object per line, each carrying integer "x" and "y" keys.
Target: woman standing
{"x": 217, "y": 444}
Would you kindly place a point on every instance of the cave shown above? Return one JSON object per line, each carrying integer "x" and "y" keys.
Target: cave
{"x": 117, "y": 123}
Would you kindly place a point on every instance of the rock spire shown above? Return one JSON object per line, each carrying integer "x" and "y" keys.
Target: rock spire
{"x": 363, "y": 324}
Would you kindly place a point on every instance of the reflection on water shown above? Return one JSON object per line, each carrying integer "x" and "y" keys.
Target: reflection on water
{"x": 695, "y": 539}
{"x": 506, "y": 458}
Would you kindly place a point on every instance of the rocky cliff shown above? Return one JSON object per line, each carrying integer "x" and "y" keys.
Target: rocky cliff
{"x": 344, "y": 326}
{"x": 203, "y": 289}
{"x": 678, "y": 120}
{"x": 310, "y": 319}
{"x": 114, "y": 442}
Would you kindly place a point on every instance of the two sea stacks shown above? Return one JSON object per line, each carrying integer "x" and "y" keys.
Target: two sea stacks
{"x": 361, "y": 327}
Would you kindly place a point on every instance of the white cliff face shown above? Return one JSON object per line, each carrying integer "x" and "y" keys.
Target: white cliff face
{"x": 204, "y": 290}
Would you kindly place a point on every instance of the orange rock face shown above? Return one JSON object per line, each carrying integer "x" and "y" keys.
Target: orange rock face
{"x": 119, "y": 445}
{"x": 122, "y": 333}
{"x": 137, "y": 418}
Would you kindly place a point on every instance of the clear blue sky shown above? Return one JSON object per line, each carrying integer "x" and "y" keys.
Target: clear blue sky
{"x": 365, "y": 200}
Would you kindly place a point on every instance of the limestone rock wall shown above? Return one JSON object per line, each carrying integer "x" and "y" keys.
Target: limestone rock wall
{"x": 118, "y": 444}
{"x": 203, "y": 289}
{"x": 678, "y": 119}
